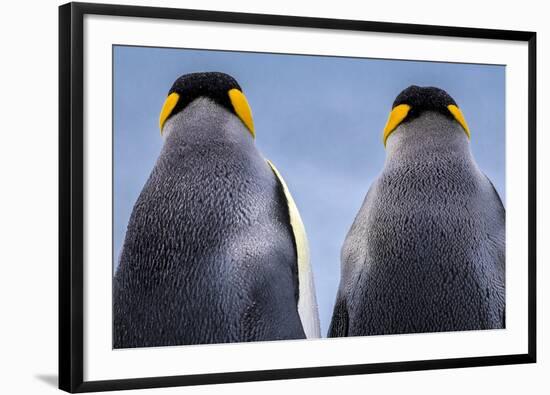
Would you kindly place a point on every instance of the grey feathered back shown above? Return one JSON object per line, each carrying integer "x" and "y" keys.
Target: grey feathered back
{"x": 208, "y": 249}
{"x": 426, "y": 252}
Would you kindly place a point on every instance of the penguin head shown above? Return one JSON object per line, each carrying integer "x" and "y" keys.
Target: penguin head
{"x": 218, "y": 87}
{"x": 415, "y": 100}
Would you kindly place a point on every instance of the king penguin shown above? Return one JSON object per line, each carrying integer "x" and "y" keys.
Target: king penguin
{"x": 215, "y": 250}
{"x": 426, "y": 252}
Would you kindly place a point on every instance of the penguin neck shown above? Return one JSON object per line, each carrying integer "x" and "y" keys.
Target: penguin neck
{"x": 431, "y": 136}
{"x": 206, "y": 124}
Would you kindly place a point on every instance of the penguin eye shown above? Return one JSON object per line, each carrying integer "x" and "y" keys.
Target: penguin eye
{"x": 457, "y": 114}
{"x": 242, "y": 109}
{"x": 397, "y": 115}
{"x": 167, "y": 108}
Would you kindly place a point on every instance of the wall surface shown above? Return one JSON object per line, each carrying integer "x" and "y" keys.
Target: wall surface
{"x": 28, "y": 200}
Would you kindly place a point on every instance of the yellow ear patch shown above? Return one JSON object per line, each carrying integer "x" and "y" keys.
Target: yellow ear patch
{"x": 397, "y": 115}
{"x": 242, "y": 109}
{"x": 459, "y": 118}
{"x": 167, "y": 108}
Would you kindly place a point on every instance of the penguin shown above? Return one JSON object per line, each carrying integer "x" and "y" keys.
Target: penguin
{"x": 426, "y": 251}
{"x": 215, "y": 250}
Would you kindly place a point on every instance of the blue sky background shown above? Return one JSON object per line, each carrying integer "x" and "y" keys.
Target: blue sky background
{"x": 319, "y": 119}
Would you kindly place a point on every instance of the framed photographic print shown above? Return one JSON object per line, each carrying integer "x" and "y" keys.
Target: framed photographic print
{"x": 253, "y": 197}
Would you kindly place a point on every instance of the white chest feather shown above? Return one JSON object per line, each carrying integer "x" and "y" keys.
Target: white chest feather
{"x": 307, "y": 302}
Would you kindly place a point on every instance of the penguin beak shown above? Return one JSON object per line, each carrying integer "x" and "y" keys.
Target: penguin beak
{"x": 459, "y": 118}
{"x": 167, "y": 109}
{"x": 242, "y": 109}
{"x": 397, "y": 115}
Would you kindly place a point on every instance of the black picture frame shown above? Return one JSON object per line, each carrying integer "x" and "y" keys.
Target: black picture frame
{"x": 71, "y": 179}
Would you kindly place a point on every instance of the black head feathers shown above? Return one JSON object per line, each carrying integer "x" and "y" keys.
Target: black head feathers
{"x": 415, "y": 100}
{"x": 213, "y": 85}
{"x": 422, "y": 99}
